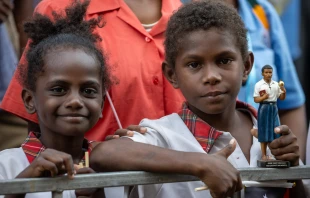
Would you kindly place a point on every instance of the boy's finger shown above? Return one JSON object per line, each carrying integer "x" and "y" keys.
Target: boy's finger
{"x": 283, "y": 141}
{"x": 229, "y": 149}
{"x": 291, "y": 148}
{"x": 283, "y": 130}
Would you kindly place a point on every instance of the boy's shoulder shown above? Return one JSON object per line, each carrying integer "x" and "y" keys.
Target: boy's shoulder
{"x": 171, "y": 120}
{"x": 12, "y": 162}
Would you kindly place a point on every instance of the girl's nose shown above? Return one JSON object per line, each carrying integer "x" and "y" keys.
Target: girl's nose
{"x": 74, "y": 101}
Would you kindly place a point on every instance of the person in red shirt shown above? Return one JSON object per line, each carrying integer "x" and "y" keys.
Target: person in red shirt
{"x": 132, "y": 38}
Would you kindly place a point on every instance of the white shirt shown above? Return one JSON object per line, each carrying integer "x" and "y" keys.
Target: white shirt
{"x": 272, "y": 89}
{"x": 12, "y": 162}
{"x": 171, "y": 132}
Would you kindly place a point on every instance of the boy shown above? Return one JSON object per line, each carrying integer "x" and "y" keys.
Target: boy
{"x": 208, "y": 60}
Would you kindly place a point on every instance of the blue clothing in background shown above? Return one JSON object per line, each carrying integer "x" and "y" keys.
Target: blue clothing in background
{"x": 270, "y": 47}
{"x": 8, "y": 60}
{"x": 290, "y": 18}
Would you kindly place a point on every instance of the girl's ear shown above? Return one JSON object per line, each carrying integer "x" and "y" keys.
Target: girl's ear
{"x": 170, "y": 74}
{"x": 248, "y": 64}
{"x": 28, "y": 100}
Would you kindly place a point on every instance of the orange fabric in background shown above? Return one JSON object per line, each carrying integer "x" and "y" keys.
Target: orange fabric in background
{"x": 135, "y": 57}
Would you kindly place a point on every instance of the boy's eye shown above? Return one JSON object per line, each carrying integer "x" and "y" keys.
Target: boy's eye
{"x": 193, "y": 65}
{"x": 225, "y": 61}
{"x": 58, "y": 90}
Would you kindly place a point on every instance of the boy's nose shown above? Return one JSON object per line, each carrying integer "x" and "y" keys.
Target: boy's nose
{"x": 211, "y": 75}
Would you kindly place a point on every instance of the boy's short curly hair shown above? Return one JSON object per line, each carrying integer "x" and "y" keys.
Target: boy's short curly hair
{"x": 61, "y": 32}
{"x": 203, "y": 15}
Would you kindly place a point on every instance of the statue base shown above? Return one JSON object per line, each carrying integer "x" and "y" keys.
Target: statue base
{"x": 273, "y": 164}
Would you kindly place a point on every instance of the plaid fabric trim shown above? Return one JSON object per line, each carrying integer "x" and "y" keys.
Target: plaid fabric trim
{"x": 32, "y": 146}
{"x": 202, "y": 131}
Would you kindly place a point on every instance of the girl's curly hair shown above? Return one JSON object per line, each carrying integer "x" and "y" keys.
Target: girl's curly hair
{"x": 70, "y": 31}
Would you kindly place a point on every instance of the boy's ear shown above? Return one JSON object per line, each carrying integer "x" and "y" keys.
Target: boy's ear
{"x": 248, "y": 65}
{"x": 28, "y": 100}
{"x": 170, "y": 75}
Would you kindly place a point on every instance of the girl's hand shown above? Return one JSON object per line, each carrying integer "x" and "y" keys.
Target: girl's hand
{"x": 89, "y": 192}
{"x": 285, "y": 147}
{"x": 49, "y": 161}
{"x": 126, "y": 132}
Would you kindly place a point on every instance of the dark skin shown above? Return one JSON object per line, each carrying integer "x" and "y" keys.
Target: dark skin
{"x": 68, "y": 101}
{"x": 224, "y": 70}
{"x": 22, "y": 10}
{"x": 215, "y": 65}
{"x": 147, "y": 11}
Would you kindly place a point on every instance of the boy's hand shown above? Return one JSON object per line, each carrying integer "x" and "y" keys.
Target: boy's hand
{"x": 5, "y": 8}
{"x": 52, "y": 161}
{"x": 222, "y": 179}
{"x": 127, "y": 132}
{"x": 90, "y": 192}
{"x": 285, "y": 147}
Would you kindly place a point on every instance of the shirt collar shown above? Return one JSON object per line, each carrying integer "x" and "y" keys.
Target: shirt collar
{"x": 202, "y": 131}
{"x": 32, "y": 146}
{"x": 96, "y": 6}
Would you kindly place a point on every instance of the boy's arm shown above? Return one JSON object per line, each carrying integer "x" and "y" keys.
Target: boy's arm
{"x": 126, "y": 155}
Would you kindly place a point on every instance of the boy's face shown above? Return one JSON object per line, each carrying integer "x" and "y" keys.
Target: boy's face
{"x": 267, "y": 74}
{"x": 68, "y": 97}
{"x": 209, "y": 71}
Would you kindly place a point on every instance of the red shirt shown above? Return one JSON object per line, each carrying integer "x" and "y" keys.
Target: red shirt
{"x": 135, "y": 57}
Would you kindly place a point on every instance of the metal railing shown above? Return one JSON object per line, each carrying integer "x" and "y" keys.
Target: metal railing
{"x": 99, "y": 180}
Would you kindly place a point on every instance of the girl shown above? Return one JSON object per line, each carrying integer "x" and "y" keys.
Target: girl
{"x": 64, "y": 84}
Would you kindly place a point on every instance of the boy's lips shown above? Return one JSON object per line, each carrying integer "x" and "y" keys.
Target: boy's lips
{"x": 213, "y": 94}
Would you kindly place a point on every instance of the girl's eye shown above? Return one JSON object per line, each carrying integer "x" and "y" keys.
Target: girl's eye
{"x": 193, "y": 65}
{"x": 58, "y": 90}
{"x": 90, "y": 91}
{"x": 225, "y": 61}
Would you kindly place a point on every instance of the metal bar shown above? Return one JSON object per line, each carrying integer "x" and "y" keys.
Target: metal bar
{"x": 99, "y": 180}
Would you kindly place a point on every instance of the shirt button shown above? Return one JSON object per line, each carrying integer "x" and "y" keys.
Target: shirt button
{"x": 147, "y": 39}
{"x": 155, "y": 80}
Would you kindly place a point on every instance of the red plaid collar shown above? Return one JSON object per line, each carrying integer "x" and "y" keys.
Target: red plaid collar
{"x": 32, "y": 146}
{"x": 202, "y": 131}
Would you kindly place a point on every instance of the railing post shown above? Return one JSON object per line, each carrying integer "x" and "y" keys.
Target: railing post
{"x": 237, "y": 194}
{"x": 57, "y": 194}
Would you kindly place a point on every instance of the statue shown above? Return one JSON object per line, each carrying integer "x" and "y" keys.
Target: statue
{"x": 266, "y": 94}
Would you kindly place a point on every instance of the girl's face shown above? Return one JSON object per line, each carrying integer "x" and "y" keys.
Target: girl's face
{"x": 68, "y": 98}
{"x": 209, "y": 71}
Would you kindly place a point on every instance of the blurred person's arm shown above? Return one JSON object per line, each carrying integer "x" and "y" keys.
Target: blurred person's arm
{"x": 296, "y": 120}
{"x": 5, "y": 8}
{"x": 22, "y": 11}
